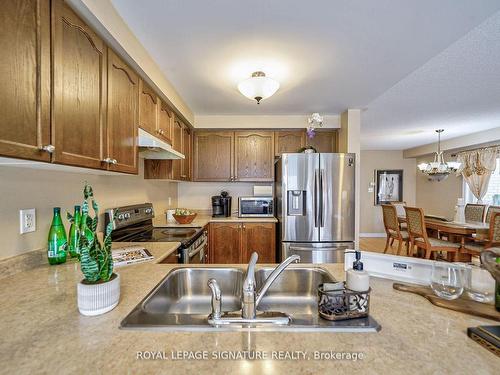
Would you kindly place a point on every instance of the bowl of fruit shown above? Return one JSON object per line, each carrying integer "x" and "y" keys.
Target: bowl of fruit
{"x": 184, "y": 216}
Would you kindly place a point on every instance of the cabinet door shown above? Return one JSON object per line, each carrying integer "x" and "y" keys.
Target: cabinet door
{"x": 225, "y": 243}
{"x": 25, "y": 77}
{"x": 324, "y": 141}
{"x": 260, "y": 238}
{"x": 213, "y": 156}
{"x": 254, "y": 156}
{"x": 123, "y": 99}
{"x": 177, "y": 145}
{"x": 79, "y": 112}
{"x": 186, "y": 150}
{"x": 147, "y": 109}
{"x": 171, "y": 259}
{"x": 165, "y": 122}
{"x": 289, "y": 141}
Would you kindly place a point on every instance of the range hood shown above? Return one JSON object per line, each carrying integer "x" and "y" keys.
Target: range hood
{"x": 151, "y": 147}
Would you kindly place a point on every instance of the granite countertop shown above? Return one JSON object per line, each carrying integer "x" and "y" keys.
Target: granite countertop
{"x": 42, "y": 332}
{"x": 202, "y": 220}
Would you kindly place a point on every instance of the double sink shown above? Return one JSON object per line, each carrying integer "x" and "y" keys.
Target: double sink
{"x": 182, "y": 301}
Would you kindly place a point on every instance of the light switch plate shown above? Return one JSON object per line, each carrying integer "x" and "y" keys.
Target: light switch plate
{"x": 27, "y": 220}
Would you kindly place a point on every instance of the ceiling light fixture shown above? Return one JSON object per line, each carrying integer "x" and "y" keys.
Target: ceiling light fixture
{"x": 438, "y": 170}
{"x": 258, "y": 86}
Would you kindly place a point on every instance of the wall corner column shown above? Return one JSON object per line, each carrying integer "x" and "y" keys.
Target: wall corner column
{"x": 349, "y": 141}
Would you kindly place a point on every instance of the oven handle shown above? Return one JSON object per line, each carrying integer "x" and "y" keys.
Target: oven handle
{"x": 198, "y": 249}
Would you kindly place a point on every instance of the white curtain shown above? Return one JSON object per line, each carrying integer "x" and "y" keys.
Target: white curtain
{"x": 476, "y": 168}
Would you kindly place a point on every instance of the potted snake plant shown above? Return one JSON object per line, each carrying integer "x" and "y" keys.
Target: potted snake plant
{"x": 99, "y": 291}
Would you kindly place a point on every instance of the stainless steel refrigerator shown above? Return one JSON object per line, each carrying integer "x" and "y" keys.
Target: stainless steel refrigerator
{"x": 315, "y": 206}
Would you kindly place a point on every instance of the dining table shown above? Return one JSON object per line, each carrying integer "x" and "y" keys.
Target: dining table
{"x": 456, "y": 231}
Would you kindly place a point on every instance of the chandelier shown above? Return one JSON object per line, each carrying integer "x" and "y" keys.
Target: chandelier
{"x": 438, "y": 170}
{"x": 258, "y": 87}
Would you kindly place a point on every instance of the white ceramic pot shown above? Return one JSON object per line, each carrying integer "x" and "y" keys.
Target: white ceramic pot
{"x": 96, "y": 299}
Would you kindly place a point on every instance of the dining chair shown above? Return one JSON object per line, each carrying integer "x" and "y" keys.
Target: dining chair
{"x": 418, "y": 235}
{"x": 474, "y": 212}
{"x": 490, "y": 211}
{"x": 392, "y": 229}
{"x": 493, "y": 240}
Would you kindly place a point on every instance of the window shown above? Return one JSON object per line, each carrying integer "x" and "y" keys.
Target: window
{"x": 492, "y": 196}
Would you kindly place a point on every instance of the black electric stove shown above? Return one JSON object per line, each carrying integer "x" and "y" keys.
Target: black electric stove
{"x": 135, "y": 224}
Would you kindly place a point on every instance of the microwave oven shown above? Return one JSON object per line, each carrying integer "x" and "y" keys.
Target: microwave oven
{"x": 255, "y": 207}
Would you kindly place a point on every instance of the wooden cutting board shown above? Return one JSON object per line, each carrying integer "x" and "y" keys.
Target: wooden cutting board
{"x": 461, "y": 304}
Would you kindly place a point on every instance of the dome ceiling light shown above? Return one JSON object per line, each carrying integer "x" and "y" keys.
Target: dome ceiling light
{"x": 258, "y": 86}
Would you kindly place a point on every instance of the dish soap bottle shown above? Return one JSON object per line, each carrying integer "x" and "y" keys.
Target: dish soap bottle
{"x": 356, "y": 278}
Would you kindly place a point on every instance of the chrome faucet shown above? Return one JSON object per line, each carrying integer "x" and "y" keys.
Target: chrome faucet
{"x": 250, "y": 297}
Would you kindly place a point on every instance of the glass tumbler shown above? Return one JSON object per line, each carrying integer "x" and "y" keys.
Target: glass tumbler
{"x": 480, "y": 285}
{"x": 448, "y": 280}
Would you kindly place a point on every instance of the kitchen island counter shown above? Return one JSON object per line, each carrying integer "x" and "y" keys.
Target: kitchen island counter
{"x": 42, "y": 332}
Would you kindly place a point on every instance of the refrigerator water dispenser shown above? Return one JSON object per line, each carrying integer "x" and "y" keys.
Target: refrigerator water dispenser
{"x": 296, "y": 202}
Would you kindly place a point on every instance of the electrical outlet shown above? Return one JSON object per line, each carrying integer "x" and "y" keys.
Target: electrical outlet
{"x": 27, "y": 220}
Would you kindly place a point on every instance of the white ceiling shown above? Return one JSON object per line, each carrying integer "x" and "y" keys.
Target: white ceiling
{"x": 328, "y": 55}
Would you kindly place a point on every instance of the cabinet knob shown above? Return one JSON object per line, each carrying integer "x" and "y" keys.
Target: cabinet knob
{"x": 107, "y": 161}
{"x": 48, "y": 148}
{"x": 114, "y": 161}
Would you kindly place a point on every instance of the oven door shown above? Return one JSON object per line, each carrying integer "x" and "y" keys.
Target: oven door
{"x": 196, "y": 255}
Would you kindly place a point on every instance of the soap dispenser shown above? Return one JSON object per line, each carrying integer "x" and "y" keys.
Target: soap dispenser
{"x": 357, "y": 279}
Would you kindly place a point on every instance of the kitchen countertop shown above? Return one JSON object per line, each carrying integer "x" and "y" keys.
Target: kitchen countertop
{"x": 42, "y": 332}
{"x": 202, "y": 220}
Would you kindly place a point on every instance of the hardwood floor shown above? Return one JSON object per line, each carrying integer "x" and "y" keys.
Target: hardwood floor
{"x": 377, "y": 244}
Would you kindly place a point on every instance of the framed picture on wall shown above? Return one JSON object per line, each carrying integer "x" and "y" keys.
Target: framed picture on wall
{"x": 389, "y": 186}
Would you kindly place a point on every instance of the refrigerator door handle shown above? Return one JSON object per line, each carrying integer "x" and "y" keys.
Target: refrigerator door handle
{"x": 316, "y": 197}
{"x": 321, "y": 200}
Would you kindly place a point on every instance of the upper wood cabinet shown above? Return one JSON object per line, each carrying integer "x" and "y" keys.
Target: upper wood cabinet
{"x": 25, "y": 77}
{"x": 289, "y": 141}
{"x": 177, "y": 145}
{"x": 123, "y": 99}
{"x": 148, "y": 102}
{"x": 165, "y": 122}
{"x": 324, "y": 141}
{"x": 186, "y": 150}
{"x": 254, "y": 156}
{"x": 213, "y": 156}
{"x": 259, "y": 238}
{"x": 79, "y": 89}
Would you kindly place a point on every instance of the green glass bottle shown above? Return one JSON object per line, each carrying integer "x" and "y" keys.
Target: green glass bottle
{"x": 57, "y": 242}
{"x": 74, "y": 234}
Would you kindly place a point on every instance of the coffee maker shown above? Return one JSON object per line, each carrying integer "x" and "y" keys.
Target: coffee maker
{"x": 221, "y": 205}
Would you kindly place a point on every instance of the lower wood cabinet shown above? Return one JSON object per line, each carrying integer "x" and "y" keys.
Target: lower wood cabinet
{"x": 235, "y": 242}
{"x": 260, "y": 238}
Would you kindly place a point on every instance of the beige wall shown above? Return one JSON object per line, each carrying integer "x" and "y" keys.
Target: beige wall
{"x": 196, "y": 195}
{"x": 438, "y": 198}
{"x": 42, "y": 189}
{"x": 371, "y": 215}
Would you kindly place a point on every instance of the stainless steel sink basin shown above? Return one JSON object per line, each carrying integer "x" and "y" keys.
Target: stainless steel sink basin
{"x": 181, "y": 301}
